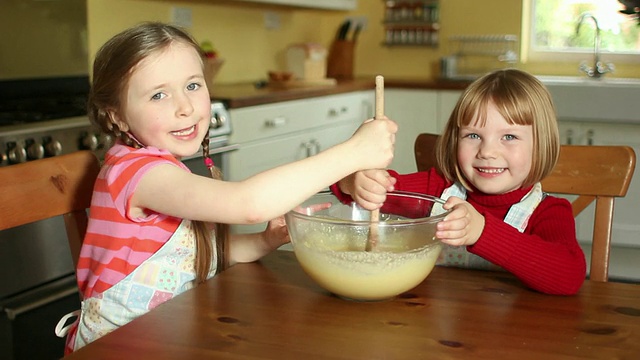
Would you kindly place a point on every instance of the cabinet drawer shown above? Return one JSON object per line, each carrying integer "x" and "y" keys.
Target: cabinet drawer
{"x": 264, "y": 121}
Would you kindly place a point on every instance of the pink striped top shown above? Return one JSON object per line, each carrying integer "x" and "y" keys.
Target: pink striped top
{"x": 116, "y": 243}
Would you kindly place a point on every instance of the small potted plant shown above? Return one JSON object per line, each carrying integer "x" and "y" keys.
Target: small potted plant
{"x": 212, "y": 62}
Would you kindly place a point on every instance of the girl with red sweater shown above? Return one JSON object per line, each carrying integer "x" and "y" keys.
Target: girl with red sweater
{"x": 499, "y": 143}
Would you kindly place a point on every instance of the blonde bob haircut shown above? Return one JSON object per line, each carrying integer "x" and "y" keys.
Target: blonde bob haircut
{"x": 522, "y": 100}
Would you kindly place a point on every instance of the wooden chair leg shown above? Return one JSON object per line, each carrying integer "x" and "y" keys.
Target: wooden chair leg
{"x": 601, "y": 239}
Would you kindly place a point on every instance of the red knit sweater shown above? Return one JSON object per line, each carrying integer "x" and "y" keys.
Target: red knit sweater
{"x": 546, "y": 256}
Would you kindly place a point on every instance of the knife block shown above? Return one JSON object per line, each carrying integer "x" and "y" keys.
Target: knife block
{"x": 340, "y": 60}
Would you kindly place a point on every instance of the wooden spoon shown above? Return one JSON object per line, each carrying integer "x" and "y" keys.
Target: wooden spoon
{"x": 373, "y": 238}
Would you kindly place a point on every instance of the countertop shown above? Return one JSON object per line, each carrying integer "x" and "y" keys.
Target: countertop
{"x": 247, "y": 94}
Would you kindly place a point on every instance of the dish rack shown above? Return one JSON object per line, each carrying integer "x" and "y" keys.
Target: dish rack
{"x": 474, "y": 55}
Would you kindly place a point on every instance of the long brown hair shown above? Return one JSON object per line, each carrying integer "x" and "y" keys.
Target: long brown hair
{"x": 112, "y": 69}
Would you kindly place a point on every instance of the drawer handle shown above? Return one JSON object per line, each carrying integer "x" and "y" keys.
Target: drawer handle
{"x": 15, "y": 311}
{"x": 308, "y": 147}
{"x": 316, "y": 145}
{"x": 276, "y": 122}
{"x": 312, "y": 147}
{"x": 335, "y": 112}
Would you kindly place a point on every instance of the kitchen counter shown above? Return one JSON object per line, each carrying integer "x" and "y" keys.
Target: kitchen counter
{"x": 246, "y": 94}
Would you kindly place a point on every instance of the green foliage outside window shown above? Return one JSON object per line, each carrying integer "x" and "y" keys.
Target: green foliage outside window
{"x": 556, "y": 21}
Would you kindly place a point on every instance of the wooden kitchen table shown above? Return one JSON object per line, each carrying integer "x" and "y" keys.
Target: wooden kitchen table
{"x": 272, "y": 310}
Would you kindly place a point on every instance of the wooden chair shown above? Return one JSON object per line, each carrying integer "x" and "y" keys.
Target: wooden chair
{"x": 46, "y": 188}
{"x": 592, "y": 173}
{"x": 425, "y": 151}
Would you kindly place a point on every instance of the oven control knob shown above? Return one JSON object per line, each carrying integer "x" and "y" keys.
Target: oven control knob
{"x": 89, "y": 142}
{"x": 35, "y": 150}
{"x": 217, "y": 120}
{"x": 52, "y": 147}
{"x": 16, "y": 154}
{"x": 106, "y": 141}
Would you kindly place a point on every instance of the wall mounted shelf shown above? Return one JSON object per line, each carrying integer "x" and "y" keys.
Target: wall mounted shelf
{"x": 411, "y": 23}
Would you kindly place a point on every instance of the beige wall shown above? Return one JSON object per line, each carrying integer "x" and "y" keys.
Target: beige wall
{"x": 238, "y": 31}
{"x": 42, "y": 38}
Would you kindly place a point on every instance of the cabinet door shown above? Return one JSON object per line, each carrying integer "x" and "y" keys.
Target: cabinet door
{"x": 260, "y": 156}
{"x": 625, "y": 249}
{"x": 447, "y": 100}
{"x": 626, "y": 228}
{"x": 571, "y": 133}
{"x": 256, "y": 157}
{"x": 626, "y": 224}
{"x": 415, "y": 111}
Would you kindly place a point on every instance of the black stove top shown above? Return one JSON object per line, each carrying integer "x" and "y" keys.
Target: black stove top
{"x": 29, "y": 101}
{"x": 23, "y": 111}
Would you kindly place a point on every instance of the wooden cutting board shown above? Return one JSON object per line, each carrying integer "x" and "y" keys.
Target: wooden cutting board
{"x": 300, "y": 83}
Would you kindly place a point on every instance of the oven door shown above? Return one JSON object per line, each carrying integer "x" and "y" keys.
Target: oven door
{"x": 28, "y": 320}
{"x": 218, "y": 152}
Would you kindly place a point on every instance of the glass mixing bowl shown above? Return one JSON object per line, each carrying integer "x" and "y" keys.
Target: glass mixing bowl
{"x": 330, "y": 239}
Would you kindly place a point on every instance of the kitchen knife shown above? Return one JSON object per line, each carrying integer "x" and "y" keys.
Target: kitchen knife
{"x": 356, "y": 32}
{"x": 344, "y": 29}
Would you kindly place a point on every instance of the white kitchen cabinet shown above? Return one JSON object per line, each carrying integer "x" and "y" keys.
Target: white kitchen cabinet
{"x": 625, "y": 256}
{"x": 416, "y": 111}
{"x": 259, "y": 156}
{"x": 276, "y": 134}
{"x": 447, "y": 100}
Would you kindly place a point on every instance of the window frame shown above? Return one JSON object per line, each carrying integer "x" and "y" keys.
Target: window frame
{"x": 529, "y": 54}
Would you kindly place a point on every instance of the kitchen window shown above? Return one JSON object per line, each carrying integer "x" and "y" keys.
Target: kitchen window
{"x": 550, "y": 31}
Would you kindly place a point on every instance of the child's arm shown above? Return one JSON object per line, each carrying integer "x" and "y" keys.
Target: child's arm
{"x": 546, "y": 257}
{"x": 251, "y": 247}
{"x": 169, "y": 190}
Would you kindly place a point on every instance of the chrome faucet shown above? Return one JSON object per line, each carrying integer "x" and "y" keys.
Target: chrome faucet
{"x": 598, "y": 68}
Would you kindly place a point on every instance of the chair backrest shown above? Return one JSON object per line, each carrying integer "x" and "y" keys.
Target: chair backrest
{"x": 50, "y": 187}
{"x": 592, "y": 173}
{"x": 425, "y": 151}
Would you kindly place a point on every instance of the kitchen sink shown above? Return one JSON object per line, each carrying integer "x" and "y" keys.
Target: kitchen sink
{"x": 608, "y": 99}
{"x": 586, "y": 81}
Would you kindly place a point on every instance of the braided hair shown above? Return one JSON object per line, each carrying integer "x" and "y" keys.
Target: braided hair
{"x": 112, "y": 70}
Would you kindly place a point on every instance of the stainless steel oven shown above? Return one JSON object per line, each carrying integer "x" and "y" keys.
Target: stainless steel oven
{"x": 219, "y": 146}
{"x": 42, "y": 114}
{"x": 39, "y": 118}
{"x": 37, "y": 276}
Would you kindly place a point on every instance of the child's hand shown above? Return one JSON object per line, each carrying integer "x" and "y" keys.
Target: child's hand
{"x": 244, "y": 248}
{"x": 276, "y": 233}
{"x": 373, "y": 143}
{"x": 463, "y": 226}
{"x": 368, "y": 188}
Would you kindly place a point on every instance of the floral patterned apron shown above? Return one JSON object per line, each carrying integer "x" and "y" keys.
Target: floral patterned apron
{"x": 167, "y": 273}
{"x": 518, "y": 217}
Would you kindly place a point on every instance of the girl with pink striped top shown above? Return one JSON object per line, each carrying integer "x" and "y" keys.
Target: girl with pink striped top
{"x": 156, "y": 229}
